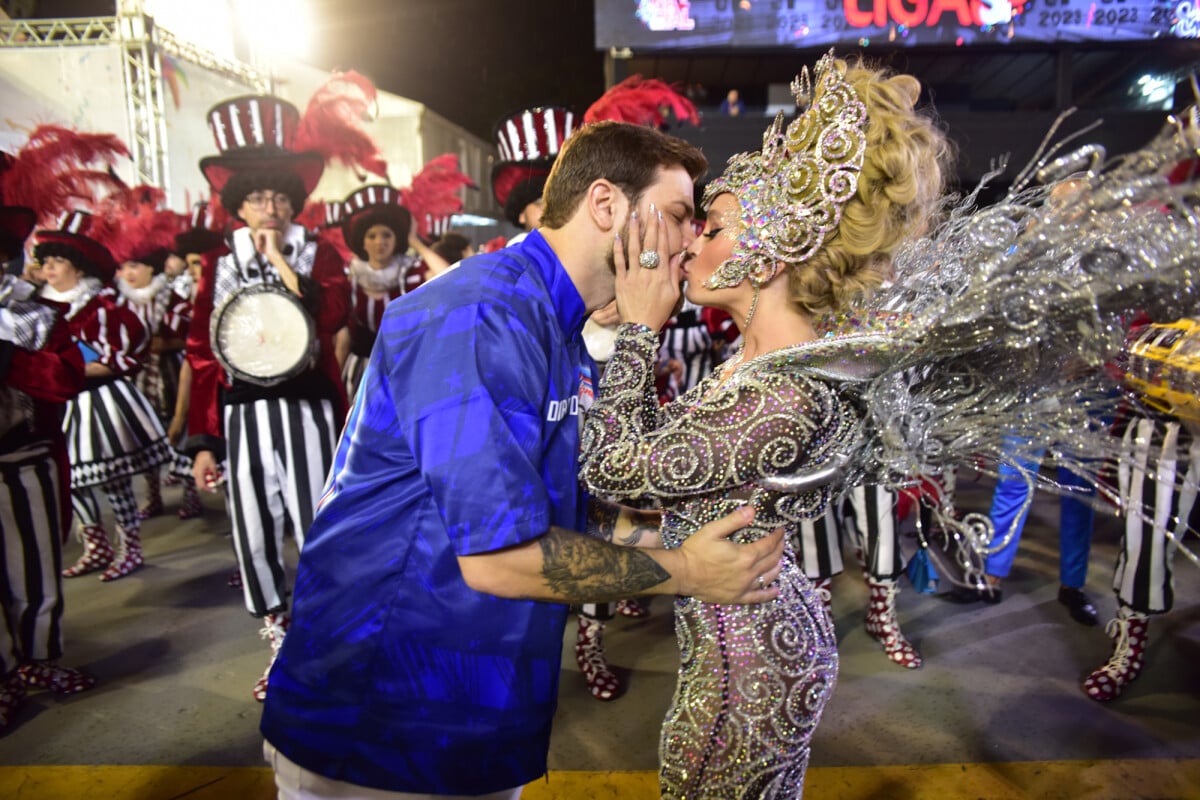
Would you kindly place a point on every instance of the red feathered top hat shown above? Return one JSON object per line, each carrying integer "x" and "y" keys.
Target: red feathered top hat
{"x": 72, "y": 242}
{"x": 16, "y": 223}
{"x": 374, "y": 205}
{"x": 256, "y": 132}
{"x": 528, "y": 142}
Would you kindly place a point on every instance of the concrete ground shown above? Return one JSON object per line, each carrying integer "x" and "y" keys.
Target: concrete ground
{"x": 176, "y": 656}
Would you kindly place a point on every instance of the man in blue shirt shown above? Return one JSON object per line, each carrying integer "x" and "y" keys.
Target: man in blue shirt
{"x": 425, "y": 645}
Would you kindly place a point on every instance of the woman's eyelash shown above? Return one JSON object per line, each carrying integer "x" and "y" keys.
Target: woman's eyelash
{"x": 710, "y": 235}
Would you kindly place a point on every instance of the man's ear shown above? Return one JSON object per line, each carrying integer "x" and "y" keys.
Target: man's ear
{"x": 607, "y": 205}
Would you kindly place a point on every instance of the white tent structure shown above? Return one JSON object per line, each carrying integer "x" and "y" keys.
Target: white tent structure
{"x": 151, "y": 86}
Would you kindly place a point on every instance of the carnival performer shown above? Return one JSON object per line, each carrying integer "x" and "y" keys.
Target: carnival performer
{"x": 432, "y": 590}
{"x": 190, "y": 247}
{"x": 528, "y": 142}
{"x": 112, "y": 430}
{"x": 144, "y": 287}
{"x": 41, "y": 370}
{"x": 276, "y": 431}
{"x": 792, "y": 231}
{"x": 374, "y": 226}
{"x": 866, "y": 516}
{"x": 1157, "y": 479}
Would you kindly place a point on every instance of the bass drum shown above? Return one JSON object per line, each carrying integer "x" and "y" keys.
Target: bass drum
{"x": 263, "y": 335}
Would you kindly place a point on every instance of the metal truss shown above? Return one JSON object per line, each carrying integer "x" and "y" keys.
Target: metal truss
{"x": 142, "y": 45}
{"x": 58, "y": 32}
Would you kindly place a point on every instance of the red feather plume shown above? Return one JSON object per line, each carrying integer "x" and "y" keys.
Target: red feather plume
{"x": 60, "y": 169}
{"x": 434, "y": 191}
{"x": 133, "y": 221}
{"x": 642, "y": 101}
{"x": 332, "y": 124}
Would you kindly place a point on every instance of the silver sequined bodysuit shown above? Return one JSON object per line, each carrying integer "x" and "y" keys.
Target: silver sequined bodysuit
{"x": 753, "y": 680}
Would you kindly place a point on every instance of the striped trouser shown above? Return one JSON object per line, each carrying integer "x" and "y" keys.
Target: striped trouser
{"x": 867, "y": 515}
{"x": 121, "y": 497}
{"x": 1157, "y": 478}
{"x": 279, "y": 453}
{"x": 31, "y": 526}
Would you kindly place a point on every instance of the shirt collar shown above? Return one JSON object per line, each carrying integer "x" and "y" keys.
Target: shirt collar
{"x": 569, "y": 307}
{"x": 243, "y": 245}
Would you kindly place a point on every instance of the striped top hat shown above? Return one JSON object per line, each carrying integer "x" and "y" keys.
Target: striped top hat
{"x": 528, "y": 143}
{"x": 378, "y": 204}
{"x": 73, "y": 241}
{"x": 256, "y": 132}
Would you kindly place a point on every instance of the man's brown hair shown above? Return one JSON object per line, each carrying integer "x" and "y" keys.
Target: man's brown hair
{"x": 627, "y": 155}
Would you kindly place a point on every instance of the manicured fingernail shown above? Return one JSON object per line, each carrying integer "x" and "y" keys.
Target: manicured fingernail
{"x": 633, "y": 216}
{"x": 653, "y": 208}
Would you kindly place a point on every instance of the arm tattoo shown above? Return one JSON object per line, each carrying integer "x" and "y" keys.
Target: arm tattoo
{"x": 645, "y": 523}
{"x": 582, "y": 569}
{"x": 602, "y": 519}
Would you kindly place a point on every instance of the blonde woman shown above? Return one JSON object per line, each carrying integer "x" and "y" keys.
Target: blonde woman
{"x": 793, "y": 231}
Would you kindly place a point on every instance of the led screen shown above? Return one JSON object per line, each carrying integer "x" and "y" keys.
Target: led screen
{"x": 679, "y": 24}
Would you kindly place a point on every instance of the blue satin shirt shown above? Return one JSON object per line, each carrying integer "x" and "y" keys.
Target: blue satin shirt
{"x": 463, "y": 439}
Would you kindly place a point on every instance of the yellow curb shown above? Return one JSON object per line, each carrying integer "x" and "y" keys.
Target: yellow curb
{"x": 1124, "y": 779}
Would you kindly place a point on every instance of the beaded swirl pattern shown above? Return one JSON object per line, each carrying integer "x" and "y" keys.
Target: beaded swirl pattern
{"x": 753, "y": 679}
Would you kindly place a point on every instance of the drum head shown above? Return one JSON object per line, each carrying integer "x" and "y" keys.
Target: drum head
{"x": 263, "y": 335}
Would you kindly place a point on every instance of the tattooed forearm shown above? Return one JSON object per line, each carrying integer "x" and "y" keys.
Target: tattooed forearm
{"x": 581, "y": 569}
{"x": 642, "y": 524}
{"x": 602, "y": 519}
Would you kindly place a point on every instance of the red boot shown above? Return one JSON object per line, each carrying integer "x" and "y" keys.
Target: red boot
{"x": 97, "y": 552}
{"x": 191, "y": 507}
{"x": 589, "y": 655}
{"x": 274, "y": 629}
{"x": 883, "y": 626}
{"x": 1129, "y": 633}
{"x": 52, "y": 677}
{"x": 154, "y": 503}
{"x": 129, "y": 555}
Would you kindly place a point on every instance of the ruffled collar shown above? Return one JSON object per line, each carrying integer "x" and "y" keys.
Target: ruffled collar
{"x": 76, "y": 297}
{"x": 145, "y": 295}
{"x": 380, "y": 281}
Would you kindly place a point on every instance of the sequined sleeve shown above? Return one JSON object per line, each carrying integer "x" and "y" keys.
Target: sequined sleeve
{"x": 764, "y": 421}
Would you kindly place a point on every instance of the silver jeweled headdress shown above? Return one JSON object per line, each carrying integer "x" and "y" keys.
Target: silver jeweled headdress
{"x": 792, "y": 192}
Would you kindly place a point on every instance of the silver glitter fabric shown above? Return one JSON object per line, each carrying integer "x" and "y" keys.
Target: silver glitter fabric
{"x": 753, "y": 680}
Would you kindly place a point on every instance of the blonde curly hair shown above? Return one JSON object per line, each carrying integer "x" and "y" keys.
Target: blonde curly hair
{"x": 899, "y": 190}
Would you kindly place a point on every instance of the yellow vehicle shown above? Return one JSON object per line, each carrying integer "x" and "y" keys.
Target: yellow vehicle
{"x": 1164, "y": 366}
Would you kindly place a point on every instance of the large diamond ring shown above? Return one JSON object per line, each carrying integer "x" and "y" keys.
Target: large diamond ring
{"x": 648, "y": 259}
{"x": 761, "y": 585}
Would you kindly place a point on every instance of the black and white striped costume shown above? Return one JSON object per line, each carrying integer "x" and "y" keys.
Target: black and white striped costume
{"x": 1157, "y": 474}
{"x": 40, "y": 367}
{"x": 867, "y": 516}
{"x": 112, "y": 430}
{"x": 278, "y": 440}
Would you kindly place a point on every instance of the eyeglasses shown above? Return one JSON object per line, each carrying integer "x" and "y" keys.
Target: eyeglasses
{"x": 258, "y": 201}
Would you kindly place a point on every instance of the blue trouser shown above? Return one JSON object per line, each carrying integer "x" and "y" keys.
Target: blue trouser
{"x": 1074, "y": 527}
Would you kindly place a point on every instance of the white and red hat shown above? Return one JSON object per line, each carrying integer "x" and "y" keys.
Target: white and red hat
{"x": 256, "y": 132}
{"x": 74, "y": 240}
{"x": 378, "y": 204}
{"x": 528, "y": 142}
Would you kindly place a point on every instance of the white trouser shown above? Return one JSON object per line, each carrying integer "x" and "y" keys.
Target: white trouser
{"x": 294, "y": 782}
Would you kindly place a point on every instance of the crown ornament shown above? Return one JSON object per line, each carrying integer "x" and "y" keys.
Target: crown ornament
{"x": 792, "y": 192}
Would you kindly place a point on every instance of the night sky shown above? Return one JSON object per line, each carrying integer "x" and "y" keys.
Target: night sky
{"x": 472, "y": 61}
